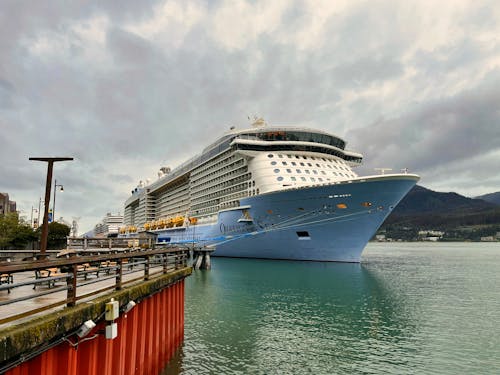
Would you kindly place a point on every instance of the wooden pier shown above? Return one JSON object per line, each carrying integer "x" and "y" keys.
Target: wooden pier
{"x": 45, "y": 304}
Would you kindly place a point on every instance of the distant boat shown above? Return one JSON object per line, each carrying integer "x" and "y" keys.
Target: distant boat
{"x": 269, "y": 192}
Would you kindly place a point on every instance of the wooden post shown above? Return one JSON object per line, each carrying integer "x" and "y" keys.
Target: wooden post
{"x": 164, "y": 258}
{"x": 45, "y": 225}
{"x": 71, "y": 283}
{"x": 119, "y": 274}
{"x": 146, "y": 268}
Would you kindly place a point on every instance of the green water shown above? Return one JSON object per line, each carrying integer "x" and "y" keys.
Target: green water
{"x": 407, "y": 309}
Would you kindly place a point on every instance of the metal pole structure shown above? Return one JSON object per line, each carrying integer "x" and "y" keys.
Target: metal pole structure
{"x": 39, "y": 208}
{"x": 54, "y": 201}
{"x": 45, "y": 226}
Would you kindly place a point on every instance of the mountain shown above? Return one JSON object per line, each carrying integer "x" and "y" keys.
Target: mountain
{"x": 427, "y": 209}
{"x": 424, "y": 201}
{"x": 492, "y": 198}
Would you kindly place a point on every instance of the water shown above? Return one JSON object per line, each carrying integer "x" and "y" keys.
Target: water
{"x": 407, "y": 309}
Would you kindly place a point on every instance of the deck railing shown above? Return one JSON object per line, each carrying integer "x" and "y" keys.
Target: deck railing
{"x": 80, "y": 268}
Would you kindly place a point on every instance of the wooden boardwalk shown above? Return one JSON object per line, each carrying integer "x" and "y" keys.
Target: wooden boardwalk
{"x": 73, "y": 284}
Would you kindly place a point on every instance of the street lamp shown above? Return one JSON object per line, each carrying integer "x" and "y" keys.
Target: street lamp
{"x": 33, "y": 209}
{"x": 54, "y": 202}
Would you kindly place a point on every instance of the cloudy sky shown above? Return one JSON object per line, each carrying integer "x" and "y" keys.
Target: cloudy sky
{"x": 125, "y": 87}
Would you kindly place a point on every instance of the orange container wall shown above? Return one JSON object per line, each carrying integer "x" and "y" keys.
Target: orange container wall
{"x": 148, "y": 336}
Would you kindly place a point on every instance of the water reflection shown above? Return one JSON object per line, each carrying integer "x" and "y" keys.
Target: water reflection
{"x": 263, "y": 316}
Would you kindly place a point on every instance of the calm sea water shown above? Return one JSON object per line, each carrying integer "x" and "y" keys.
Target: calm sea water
{"x": 410, "y": 308}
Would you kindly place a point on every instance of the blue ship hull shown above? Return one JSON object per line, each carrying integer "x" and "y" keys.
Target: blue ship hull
{"x": 321, "y": 223}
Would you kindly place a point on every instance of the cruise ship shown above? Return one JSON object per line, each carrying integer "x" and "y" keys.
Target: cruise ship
{"x": 274, "y": 192}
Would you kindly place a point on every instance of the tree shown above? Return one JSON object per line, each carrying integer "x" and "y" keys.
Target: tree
{"x": 57, "y": 235}
{"x": 15, "y": 233}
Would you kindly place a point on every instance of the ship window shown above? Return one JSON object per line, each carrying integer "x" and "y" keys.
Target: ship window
{"x": 313, "y": 158}
{"x": 319, "y": 178}
{"x": 303, "y": 235}
{"x": 302, "y": 164}
{"x": 315, "y": 171}
{"x": 303, "y": 157}
{"x": 303, "y": 178}
{"x": 280, "y": 156}
{"x": 317, "y": 165}
{"x": 323, "y": 172}
{"x": 294, "y": 163}
{"x": 289, "y": 170}
{"x": 307, "y": 171}
{"x": 313, "y": 179}
{"x": 270, "y": 156}
{"x": 297, "y": 157}
{"x": 284, "y": 162}
{"x": 309, "y": 164}
{"x": 298, "y": 171}
{"x": 273, "y": 163}
{"x": 293, "y": 178}
{"x": 276, "y": 170}
{"x": 289, "y": 156}
{"x": 280, "y": 178}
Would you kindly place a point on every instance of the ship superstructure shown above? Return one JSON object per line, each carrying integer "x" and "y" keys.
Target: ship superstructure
{"x": 255, "y": 186}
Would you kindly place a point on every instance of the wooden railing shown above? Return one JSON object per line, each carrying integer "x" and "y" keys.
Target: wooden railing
{"x": 73, "y": 271}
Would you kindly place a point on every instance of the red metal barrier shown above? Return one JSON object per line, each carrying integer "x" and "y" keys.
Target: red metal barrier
{"x": 148, "y": 336}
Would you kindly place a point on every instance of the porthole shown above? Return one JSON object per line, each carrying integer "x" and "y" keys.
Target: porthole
{"x": 280, "y": 178}
{"x": 273, "y": 163}
{"x": 289, "y": 170}
{"x": 276, "y": 170}
{"x": 270, "y": 156}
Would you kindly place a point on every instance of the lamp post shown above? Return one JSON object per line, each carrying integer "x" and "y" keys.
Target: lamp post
{"x": 54, "y": 202}
{"x": 45, "y": 226}
{"x": 33, "y": 209}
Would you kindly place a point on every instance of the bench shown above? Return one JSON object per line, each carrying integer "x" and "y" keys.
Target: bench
{"x": 48, "y": 273}
{"x": 86, "y": 269}
{"x": 6, "y": 278}
{"x": 107, "y": 266}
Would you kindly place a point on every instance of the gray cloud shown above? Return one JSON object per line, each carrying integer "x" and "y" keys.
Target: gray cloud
{"x": 408, "y": 86}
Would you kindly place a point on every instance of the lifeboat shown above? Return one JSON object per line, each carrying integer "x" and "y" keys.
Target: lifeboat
{"x": 169, "y": 223}
{"x": 193, "y": 220}
{"x": 161, "y": 223}
{"x": 178, "y": 221}
{"x": 147, "y": 225}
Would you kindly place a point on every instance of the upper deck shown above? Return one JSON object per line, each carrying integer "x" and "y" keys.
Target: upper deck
{"x": 260, "y": 138}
